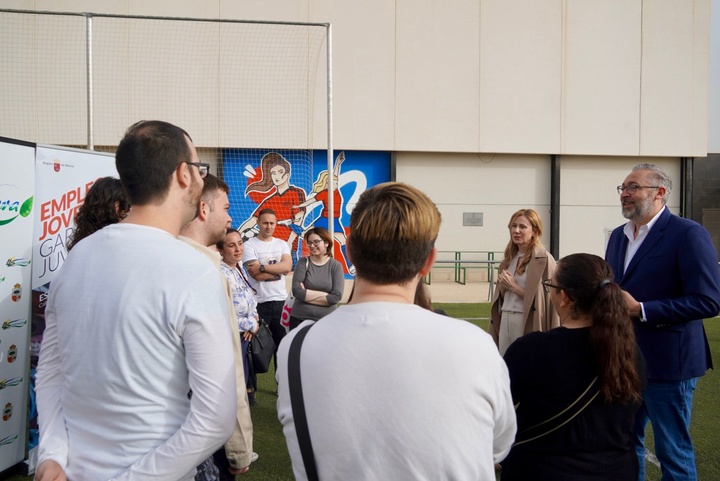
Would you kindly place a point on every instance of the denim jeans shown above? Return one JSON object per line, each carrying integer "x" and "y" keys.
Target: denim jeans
{"x": 668, "y": 405}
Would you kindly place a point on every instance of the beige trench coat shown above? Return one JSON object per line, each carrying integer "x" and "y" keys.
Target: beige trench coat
{"x": 239, "y": 448}
{"x": 538, "y": 311}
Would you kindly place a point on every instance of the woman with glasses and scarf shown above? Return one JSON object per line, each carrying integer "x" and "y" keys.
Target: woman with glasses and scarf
{"x": 576, "y": 388}
{"x": 318, "y": 281}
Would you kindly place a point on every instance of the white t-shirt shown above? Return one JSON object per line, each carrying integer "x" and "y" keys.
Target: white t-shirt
{"x": 267, "y": 253}
{"x": 394, "y": 391}
{"x": 135, "y": 319}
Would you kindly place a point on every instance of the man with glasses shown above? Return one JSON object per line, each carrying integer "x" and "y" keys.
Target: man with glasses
{"x": 267, "y": 260}
{"x": 668, "y": 269}
{"x": 135, "y": 320}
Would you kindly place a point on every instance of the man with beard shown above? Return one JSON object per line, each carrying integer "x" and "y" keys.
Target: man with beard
{"x": 135, "y": 320}
{"x": 207, "y": 229}
{"x": 668, "y": 269}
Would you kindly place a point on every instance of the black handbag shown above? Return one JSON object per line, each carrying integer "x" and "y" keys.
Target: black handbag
{"x": 262, "y": 347}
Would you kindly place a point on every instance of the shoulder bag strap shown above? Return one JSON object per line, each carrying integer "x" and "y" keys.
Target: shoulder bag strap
{"x": 298, "y": 404}
{"x": 560, "y": 419}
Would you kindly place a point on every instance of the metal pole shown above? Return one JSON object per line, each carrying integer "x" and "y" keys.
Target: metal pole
{"x": 555, "y": 206}
{"x": 330, "y": 154}
{"x": 88, "y": 57}
{"x": 686, "y": 187}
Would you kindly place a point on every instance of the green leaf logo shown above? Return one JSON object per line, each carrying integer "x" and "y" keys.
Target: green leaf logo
{"x": 7, "y": 221}
{"x": 26, "y": 207}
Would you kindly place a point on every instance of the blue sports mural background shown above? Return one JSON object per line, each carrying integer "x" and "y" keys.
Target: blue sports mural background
{"x": 295, "y": 187}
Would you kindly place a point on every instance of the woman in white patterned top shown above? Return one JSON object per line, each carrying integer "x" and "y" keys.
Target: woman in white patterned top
{"x": 243, "y": 296}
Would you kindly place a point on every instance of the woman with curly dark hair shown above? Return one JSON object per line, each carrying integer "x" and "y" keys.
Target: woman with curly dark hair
{"x": 105, "y": 203}
{"x": 577, "y": 387}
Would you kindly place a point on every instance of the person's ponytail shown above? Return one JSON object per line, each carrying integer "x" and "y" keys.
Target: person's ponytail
{"x": 613, "y": 341}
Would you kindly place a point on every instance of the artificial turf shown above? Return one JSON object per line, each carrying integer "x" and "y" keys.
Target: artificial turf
{"x": 274, "y": 462}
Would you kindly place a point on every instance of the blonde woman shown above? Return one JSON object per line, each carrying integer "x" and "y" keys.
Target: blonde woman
{"x": 520, "y": 304}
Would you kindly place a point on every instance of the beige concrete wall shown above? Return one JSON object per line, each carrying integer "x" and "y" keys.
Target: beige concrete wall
{"x": 601, "y": 77}
{"x": 675, "y": 55}
{"x": 520, "y": 76}
{"x": 714, "y": 84}
{"x": 618, "y": 77}
{"x": 589, "y": 203}
{"x": 495, "y": 185}
{"x": 498, "y": 185}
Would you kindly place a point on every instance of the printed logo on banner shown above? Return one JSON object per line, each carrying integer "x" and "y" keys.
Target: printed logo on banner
{"x": 11, "y": 208}
{"x": 16, "y": 292}
{"x": 56, "y": 224}
{"x": 56, "y": 166}
{"x": 12, "y": 353}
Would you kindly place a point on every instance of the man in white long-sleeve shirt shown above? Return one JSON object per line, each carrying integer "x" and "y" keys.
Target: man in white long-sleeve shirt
{"x": 131, "y": 330}
{"x": 391, "y": 390}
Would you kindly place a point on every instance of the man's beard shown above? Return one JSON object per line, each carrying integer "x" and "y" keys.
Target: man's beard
{"x": 640, "y": 209}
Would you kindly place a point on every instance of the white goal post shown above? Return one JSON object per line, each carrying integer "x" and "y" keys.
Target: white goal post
{"x": 80, "y": 79}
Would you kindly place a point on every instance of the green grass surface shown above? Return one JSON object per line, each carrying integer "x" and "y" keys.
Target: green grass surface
{"x": 274, "y": 462}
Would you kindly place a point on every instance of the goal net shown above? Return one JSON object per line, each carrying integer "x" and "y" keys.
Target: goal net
{"x": 244, "y": 90}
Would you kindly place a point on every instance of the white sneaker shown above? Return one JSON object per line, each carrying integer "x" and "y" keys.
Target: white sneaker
{"x": 254, "y": 457}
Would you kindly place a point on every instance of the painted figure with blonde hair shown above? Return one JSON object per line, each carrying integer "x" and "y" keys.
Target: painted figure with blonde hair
{"x": 319, "y": 194}
{"x": 520, "y": 304}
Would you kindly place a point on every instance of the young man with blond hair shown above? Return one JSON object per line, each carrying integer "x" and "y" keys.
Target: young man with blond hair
{"x": 392, "y": 390}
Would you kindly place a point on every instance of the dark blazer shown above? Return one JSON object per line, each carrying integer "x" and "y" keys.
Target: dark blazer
{"x": 675, "y": 275}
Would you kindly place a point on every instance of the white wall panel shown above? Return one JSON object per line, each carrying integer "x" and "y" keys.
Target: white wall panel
{"x": 601, "y": 77}
{"x": 675, "y": 55}
{"x": 363, "y": 75}
{"x": 589, "y": 203}
{"x": 618, "y": 77}
{"x": 437, "y": 75}
{"x": 186, "y": 8}
{"x": 714, "y": 84}
{"x": 280, "y": 10}
{"x": 496, "y": 185}
{"x": 520, "y": 76}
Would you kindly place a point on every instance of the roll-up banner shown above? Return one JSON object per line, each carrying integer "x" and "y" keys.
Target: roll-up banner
{"x": 17, "y": 188}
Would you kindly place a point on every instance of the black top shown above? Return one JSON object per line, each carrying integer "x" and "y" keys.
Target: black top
{"x": 548, "y": 371}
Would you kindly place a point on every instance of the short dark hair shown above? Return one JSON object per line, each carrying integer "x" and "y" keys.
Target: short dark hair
{"x": 266, "y": 211}
{"x": 147, "y": 157}
{"x": 211, "y": 187}
{"x": 392, "y": 232}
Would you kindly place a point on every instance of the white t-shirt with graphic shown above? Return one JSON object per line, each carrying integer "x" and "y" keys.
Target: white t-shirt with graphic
{"x": 267, "y": 253}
